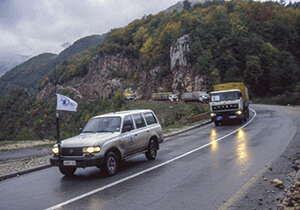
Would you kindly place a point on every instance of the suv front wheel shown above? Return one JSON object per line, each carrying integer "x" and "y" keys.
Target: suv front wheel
{"x": 152, "y": 150}
{"x": 111, "y": 164}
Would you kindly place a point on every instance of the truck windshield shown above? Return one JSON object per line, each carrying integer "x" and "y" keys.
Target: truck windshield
{"x": 103, "y": 124}
{"x": 226, "y": 96}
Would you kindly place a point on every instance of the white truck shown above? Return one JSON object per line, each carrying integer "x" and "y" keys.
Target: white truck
{"x": 193, "y": 96}
{"x": 229, "y": 101}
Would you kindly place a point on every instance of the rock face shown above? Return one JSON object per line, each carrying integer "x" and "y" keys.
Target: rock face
{"x": 185, "y": 79}
{"x": 178, "y": 52}
{"x": 99, "y": 83}
{"x": 109, "y": 74}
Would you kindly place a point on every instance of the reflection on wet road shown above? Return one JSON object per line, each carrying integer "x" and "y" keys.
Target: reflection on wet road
{"x": 241, "y": 148}
{"x": 213, "y": 138}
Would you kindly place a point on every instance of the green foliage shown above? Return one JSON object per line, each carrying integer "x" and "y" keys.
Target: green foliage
{"x": 118, "y": 101}
{"x": 25, "y": 134}
{"x": 27, "y": 75}
{"x": 187, "y": 5}
{"x": 74, "y": 67}
{"x": 237, "y": 41}
{"x": 170, "y": 115}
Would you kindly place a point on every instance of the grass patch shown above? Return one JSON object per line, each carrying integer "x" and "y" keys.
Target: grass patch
{"x": 170, "y": 115}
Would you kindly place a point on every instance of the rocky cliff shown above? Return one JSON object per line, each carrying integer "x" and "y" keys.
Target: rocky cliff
{"x": 109, "y": 74}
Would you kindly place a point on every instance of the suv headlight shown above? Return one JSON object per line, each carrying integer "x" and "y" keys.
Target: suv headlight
{"x": 239, "y": 112}
{"x": 55, "y": 149}
{"x": 212, "y": 114}
{"x": 91, "y": 149}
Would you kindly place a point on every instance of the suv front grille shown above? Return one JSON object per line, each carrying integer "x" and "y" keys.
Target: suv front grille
{"x": 72, "y": 152}
{"x": 225, "y": 107}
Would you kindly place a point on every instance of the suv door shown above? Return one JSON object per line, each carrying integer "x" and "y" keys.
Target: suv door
{"x": 129, "y": 133}
{"x": 142, "y": 136}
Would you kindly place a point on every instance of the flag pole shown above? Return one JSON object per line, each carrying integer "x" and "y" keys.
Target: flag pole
{"x": 57, "y": 119}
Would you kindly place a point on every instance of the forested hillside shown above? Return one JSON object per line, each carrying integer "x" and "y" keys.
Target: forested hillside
{"x": 254, "y": 42}
{"x": 218, "y": 41}
{"x": 257, "y": 43}
{"x": 27, "y": 75}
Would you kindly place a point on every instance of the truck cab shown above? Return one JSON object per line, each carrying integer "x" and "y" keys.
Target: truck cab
{"x": 229, "y": 104}
{"x": 173, "y": 97}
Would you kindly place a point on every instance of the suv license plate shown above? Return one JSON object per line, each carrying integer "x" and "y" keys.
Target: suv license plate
{"x": 232, "y": 117}
{"x": 69, "y": 163}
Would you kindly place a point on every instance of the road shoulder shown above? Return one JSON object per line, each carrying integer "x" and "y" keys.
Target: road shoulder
{"x": 265, "y": 190}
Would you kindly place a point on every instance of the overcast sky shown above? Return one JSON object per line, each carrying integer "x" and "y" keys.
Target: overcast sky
{"x": 31, "y": 27}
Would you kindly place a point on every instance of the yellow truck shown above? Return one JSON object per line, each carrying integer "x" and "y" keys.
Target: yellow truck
{"x": 229, "y": 101}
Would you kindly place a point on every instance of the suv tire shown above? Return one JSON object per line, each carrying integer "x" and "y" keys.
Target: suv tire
{"x": 152, "y": 150}
{"x": 67, "y": 170}
{"x": 111, "y": 164}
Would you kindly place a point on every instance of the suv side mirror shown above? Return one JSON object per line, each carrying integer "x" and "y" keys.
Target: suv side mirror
{"x": 126, "y": 128}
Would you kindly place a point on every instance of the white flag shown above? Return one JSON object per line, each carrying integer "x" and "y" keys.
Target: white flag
{"x": 66, "y": 104}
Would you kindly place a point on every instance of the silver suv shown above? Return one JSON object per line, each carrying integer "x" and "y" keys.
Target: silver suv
{"x": 107, "y": 139}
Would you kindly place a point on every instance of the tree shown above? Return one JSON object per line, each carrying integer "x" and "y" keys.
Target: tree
{"x": 187, "y": 5}
{"x": 253, "y": 70}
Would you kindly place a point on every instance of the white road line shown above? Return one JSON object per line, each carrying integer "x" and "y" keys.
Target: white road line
{"x": 147, "y": 170}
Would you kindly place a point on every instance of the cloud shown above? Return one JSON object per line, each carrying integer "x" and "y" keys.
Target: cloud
{"x": 35, "y": 26}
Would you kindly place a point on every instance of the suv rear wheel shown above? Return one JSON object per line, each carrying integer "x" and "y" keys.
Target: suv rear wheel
{"x": 152, "y": 150}
{"x": 111, "y": 164}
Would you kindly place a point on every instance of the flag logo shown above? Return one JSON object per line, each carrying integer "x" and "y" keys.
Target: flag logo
{"x": 66, "y": 104}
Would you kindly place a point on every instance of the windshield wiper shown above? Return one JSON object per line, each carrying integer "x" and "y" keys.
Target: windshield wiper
{"x": 88, "y": 132}
{"x": 105, "y": 131}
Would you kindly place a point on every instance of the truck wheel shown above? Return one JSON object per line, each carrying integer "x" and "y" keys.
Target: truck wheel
{"x": 152, "y": 150}
{"x": 217, "y": 123}
{"x": 67, "y": 170}
{"x": 111, "y": 164}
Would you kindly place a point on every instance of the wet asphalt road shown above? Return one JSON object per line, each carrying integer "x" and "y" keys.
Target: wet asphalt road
{"x": 202, "y": 179}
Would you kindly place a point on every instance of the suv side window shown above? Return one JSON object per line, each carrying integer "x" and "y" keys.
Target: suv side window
{"x": 128, "y": 124}
{"x": 150, "y": 119}
{"x": 139, "y": 121}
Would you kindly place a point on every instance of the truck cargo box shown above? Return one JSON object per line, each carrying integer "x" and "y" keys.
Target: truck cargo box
{"x": 234, "y": 85}
{"x": 193, "y": 96}
{"x": 161, "y": 96}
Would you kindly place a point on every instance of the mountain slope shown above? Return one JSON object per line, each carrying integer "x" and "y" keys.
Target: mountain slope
{"x": 80, "y": 45}
{"x": 251, "y": 42}
{"x": 179, "y": 5}
{"x": 8, "y": 61}
{"x": 27, "y": 75}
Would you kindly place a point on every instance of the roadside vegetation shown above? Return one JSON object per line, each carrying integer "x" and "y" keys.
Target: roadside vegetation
{"x": 170, "y": 115}
{"x": 27, "y": 119}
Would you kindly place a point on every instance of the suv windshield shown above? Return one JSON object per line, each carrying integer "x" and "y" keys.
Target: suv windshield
{"x": 103, "y": 124}
{"x": 226, "y": 96}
